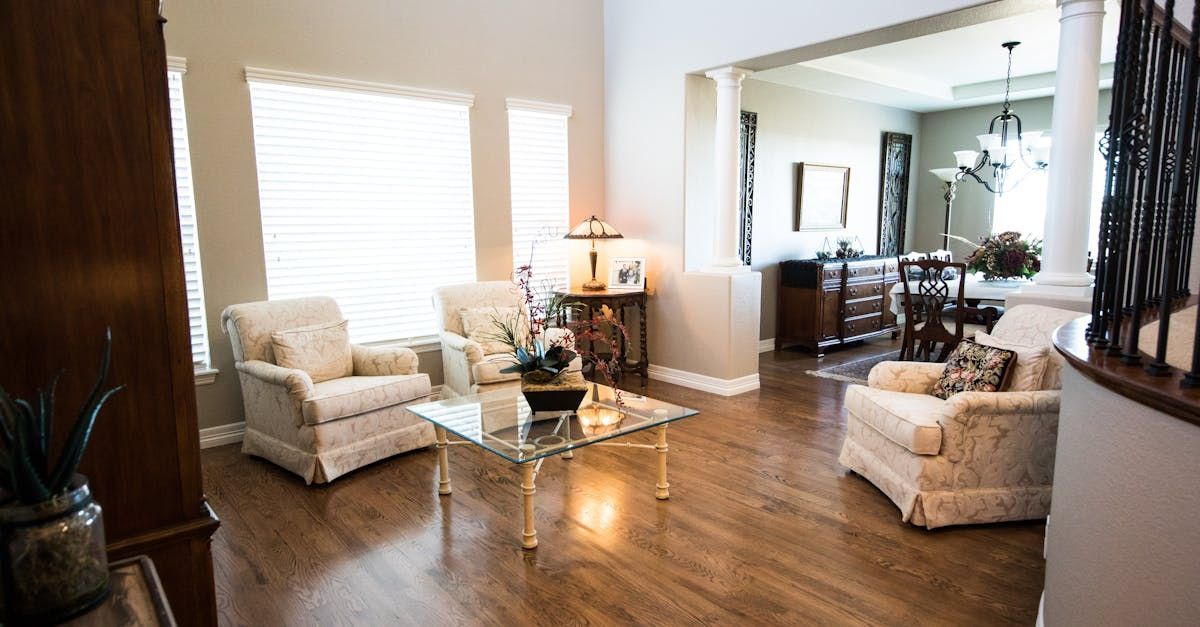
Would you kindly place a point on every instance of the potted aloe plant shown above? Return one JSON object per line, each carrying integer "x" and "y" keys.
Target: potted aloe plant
{"x": 52, "y": 559}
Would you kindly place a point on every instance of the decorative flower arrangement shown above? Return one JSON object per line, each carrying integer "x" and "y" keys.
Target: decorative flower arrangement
{"x": 1005, "y": 256}
{"x": 541, "y": 358}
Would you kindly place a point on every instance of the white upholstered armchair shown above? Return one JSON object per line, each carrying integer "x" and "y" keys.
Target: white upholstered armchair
{"x": 322, "y": 430}
{"x": 976, "y": 457}
{"x": 470, "y": 365}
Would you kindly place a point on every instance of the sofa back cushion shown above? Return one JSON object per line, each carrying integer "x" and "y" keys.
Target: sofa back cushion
{"x": 1033, "y": 325}
{"x": 322, "y": 350}
{"x": 1028, "y": 374}
{"x": 249, "y": 325}
{"x": 479, "y": 324}
{"x": 448, "y": 300}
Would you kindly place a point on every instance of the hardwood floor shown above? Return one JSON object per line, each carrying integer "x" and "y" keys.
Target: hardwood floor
{"x": 763, "y": 526}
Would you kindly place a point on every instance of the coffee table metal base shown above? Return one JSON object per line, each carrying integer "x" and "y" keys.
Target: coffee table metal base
{"x": 529, "y": 472}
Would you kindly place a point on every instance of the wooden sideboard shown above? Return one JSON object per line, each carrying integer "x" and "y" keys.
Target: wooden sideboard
{"x": 829, "y": 302}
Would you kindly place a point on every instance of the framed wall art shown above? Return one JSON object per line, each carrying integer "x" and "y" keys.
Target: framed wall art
{"x": 822, "y": 192}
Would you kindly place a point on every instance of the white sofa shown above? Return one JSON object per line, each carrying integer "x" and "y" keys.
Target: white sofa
{"x": 976, "y": 457}
{"x": 321, "y": 431}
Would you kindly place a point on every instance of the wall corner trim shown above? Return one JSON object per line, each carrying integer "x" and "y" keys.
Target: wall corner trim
{"x": 705, "y": 383}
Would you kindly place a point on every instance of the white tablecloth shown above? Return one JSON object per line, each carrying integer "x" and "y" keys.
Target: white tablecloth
{"x": 975, "y": 289}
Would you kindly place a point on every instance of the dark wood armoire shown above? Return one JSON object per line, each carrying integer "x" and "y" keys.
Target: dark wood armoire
{"x": 89, "y": 238}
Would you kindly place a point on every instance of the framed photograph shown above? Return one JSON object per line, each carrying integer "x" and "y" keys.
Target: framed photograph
{"x": 627, "y": 273}
{"x": 821, "y": 195}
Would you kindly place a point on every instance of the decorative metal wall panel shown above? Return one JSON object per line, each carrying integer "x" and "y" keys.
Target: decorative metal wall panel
{"x": 893, "y": 191}
{"x": 746, "y": 189}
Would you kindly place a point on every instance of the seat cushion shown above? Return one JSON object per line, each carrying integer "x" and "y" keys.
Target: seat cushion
{"x": 487, "y": 370}
{"x": 351, "y": 396}
{"x": 322, "y": 350}
{"x": 909, "y": 420}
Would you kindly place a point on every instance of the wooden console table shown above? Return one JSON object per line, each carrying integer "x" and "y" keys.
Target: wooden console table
{"x": 618, "y": 301}
{"x": 829, "y": 302}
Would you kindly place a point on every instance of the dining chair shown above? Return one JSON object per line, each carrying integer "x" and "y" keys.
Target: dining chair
{"x": 941, "y": 254}
{"x": 913, "y": 256}
{"x": 928, "y": 291}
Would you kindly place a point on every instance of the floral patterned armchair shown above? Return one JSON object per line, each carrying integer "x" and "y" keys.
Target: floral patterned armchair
{"x": 323, "y": 430}
{"x": 976, "y": 457}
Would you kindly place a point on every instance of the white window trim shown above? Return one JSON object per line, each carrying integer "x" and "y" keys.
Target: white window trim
{"x": 204, "y": 374}
{"x": 296, "y": 78}
{"x": 534, "y": 105}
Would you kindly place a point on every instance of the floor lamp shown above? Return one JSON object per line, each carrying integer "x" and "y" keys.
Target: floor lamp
{"x": 949, "y": 178}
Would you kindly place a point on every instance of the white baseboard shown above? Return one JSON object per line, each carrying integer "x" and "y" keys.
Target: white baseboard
{"x": 232, "y": 433}
{"x": 705, "y": 383}
{"x": 221, "y": 435}
{"x": 767, "y": 345}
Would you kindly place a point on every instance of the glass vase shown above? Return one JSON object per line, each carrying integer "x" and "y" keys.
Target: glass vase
{"x": 53, "y": 564}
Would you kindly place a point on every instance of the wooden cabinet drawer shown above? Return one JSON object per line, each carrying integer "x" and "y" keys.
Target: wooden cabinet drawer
{"x": 831, "y": 274}
{"x": 891, "y": 267}
{"x": 864, "y": 290}
{"x": 862, "y": 326}
{"x": 858, "y": 272}
{"x": 864, "y": 307}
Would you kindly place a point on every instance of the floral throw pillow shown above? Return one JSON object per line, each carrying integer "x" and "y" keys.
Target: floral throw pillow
{"x": 974, "y": 368}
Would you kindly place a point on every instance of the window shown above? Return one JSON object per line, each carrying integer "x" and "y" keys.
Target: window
{"x": 537, "y": 158}
{"x": 187, "y": 215}
{"x": 365, "y": 192}
{"x": 1023, "y": 209}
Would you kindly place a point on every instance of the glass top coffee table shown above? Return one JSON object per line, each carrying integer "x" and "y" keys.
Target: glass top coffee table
{"x": 501, "y": 422}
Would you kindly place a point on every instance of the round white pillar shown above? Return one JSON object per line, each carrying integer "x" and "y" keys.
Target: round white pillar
{"x": 725, "y": 152}
{"x": 1072, "y": 152}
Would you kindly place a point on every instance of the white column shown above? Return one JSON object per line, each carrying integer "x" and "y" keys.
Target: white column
{"x": 1063, "y": 280}
{"x": 728, "y": 130}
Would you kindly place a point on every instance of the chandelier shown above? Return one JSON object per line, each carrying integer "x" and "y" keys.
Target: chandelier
{"x": 1001, "y": 148}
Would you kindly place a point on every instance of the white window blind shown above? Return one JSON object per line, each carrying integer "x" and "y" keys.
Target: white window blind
{"x": 366, "y": 197}
{"x": 537, "y": 154}
{"x": 187, "y": 217}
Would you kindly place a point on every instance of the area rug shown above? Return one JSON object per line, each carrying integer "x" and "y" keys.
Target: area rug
{"x": 854, "y": 371}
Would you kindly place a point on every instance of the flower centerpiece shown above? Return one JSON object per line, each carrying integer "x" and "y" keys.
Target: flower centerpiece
{"x": 543, "y": 354}
{"x": 1004, "y": 256}
{"x": 52, "y": 557}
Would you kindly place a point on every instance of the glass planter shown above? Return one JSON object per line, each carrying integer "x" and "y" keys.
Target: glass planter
{"x": 53, "y": 564}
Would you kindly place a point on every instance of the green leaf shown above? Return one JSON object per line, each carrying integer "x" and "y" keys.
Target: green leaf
{"x": 28, "y": 487}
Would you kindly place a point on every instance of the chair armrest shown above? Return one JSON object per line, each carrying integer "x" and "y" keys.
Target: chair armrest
{"x": 914, "y": 377}
{"x": 1004, "y": 437}
{"x": 1002, "y": 403}
{"x": 374, "y": 361}
{"x": 297, "y": 382}
{"x": 455, "y": 342}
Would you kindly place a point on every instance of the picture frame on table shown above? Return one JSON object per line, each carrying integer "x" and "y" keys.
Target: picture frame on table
{"x": 627, "y": 273}
{"x": 822, "y": 194}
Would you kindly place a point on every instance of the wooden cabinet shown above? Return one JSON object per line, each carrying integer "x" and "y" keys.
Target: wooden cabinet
{"x": 825, "y": 303}
{"x": 89, "y": 239}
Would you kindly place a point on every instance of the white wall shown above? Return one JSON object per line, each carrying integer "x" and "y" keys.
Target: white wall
{"x": 1122, "y": 544}
{"x": 649, "y": 47}
{"x": 545, "y": 50}
{"x": 795, "y": 125}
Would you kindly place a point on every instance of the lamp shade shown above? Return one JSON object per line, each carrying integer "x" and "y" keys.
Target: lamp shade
{"x": 965, "y": 158}
{"x": 947, "y": 175}
{"x": 593, "y": 228}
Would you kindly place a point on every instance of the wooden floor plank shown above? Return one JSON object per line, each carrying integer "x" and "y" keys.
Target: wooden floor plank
{"x": 763, "y": 527}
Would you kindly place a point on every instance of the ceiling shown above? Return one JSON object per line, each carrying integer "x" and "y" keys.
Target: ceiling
{"x": 951, "y": 69}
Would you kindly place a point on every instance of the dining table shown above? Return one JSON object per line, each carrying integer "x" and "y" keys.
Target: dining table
{"x": 976, "y": 290}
